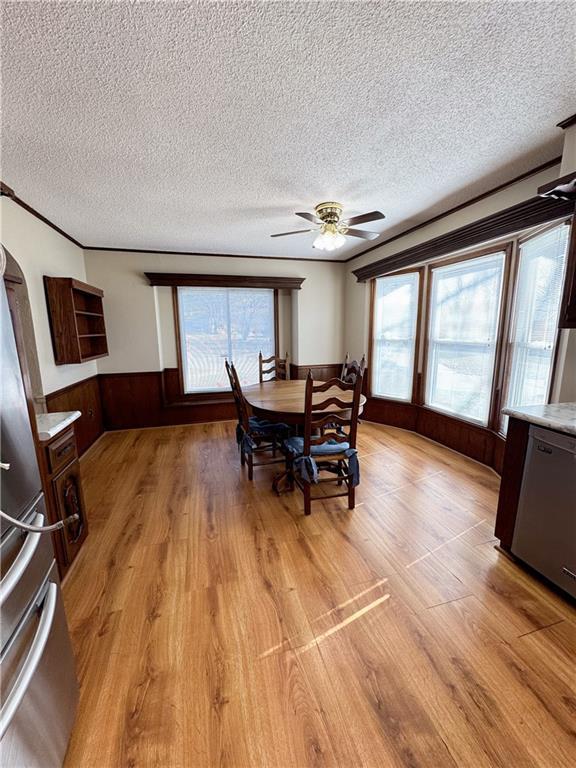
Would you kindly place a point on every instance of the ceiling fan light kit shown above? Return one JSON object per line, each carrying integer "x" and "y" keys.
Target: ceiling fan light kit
{"x": 332, "y": 229}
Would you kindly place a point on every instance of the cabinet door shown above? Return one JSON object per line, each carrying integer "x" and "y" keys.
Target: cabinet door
{"x": 69, "y": 501}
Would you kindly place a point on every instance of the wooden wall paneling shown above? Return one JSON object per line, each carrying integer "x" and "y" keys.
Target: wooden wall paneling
{"x": 462, "y": 436}
{"x": 394, "y": 413}
{"x": 152, "y": 399}
{"x": 512, "y": 472}
{"x": 131, "y": 399}
{"x": 321, "y": 372}
{"x": 83, "y": 396}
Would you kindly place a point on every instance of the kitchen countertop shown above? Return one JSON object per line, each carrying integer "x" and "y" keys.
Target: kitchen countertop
{"x": 51, "y": 424}
{"x": 558, "y": 416}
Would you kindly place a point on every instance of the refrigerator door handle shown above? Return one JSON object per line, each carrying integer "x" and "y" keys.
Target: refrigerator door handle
{"x": 40, "y": 528}
{"x": 21, "y": 562}
{"x": 14, "y": 698}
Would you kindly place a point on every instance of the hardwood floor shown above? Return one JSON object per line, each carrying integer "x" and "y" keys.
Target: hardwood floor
{"x": 215, "y": 625}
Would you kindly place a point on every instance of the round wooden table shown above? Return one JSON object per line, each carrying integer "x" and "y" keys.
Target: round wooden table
{"x": 284, "y": 400}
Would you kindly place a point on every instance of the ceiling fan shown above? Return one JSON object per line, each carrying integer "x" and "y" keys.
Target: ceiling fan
{"x": 333, "y": 229}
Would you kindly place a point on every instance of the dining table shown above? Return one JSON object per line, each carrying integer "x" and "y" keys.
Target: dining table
{"x": 283, "y": 401}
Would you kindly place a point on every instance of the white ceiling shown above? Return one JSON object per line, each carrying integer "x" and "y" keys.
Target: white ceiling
{"x": 202, "y": 126}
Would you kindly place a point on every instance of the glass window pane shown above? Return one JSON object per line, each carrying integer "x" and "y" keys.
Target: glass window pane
{"x": 219, "y": 323}
{"x": 395, "y": 317}
{"x": 462, "y": 336}
{"x": 535, "y": 318}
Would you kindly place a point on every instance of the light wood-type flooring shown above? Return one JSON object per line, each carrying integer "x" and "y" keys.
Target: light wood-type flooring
{"x": 215, "y": 625}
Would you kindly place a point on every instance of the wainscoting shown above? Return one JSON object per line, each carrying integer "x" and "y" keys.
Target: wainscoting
{"x": 462, "y": 436}
{"x": 84, "y": 396}
{"x": 152, "y": 399}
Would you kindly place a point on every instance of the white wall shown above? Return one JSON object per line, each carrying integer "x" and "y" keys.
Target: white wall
{"x": 140, "y": 321}
{"x": 40, "y": 250}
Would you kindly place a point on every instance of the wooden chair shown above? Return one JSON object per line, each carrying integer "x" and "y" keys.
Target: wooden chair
{"x": 328, "y": 444}
{"x": 254, "y": 436}
{"x": 279, "y": 368}
{"x": 352, "y": 368}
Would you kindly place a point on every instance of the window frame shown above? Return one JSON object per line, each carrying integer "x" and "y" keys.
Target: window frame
{"x": 420, "y": 271}
{"x": 511, "y": 301}
{"x": 511, "y": 248}
{"x": 506, "y": 249}
{"x": 207, "y": 396}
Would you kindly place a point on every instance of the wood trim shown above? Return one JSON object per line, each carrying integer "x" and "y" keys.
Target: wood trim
{"x": 460, "y": 206}
{"x": 563, "y": 188}
{"x": 416, "y": 377}
{"x": 216, "y": 255}
{"x": 370, "y": 361}
{"x": 180, "y": 363}
{"x": 530, "y": 213}
{"x": 277, "y": 325}
{"x": 207, "y": 397}
{"x": 567, "y": 122}
{"x": 507, "y": 249}
{"x": 223, "y": 281}
{"x": 504, "y": 316}
{"x": 6, "y": 191}
{"x": 567, "y": 316}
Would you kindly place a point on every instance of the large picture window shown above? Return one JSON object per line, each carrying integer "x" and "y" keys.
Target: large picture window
{"x": 464, "y": 313}
{"x": 395, "y": 327}
{"x": 541, "y": 267}
{"x": 219, "y": 323}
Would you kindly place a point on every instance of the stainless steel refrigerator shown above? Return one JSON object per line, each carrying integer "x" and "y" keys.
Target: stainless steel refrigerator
{"x": 39, "y": 691}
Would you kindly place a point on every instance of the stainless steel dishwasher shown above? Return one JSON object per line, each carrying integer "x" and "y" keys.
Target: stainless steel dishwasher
{"x": 545, "y": 530}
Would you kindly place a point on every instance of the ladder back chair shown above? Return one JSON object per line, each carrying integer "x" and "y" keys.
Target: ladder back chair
{"x": 327, "y": 450}
{"x": 278, "y": 367}
{"x": 352, "y": 368}
{"x": 254, "y": 436}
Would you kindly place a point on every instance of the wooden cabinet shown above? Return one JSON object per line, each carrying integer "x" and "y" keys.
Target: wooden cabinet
{"x": 63, "y": 490}
{"x": 76, "y": 320}
{"x": 67, "y": 491}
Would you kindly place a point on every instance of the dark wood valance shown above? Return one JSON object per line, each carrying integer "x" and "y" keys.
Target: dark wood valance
{"x": 224, "y": 281}
{"x": 563, "y": 188}
{"x": 531, "y": 213}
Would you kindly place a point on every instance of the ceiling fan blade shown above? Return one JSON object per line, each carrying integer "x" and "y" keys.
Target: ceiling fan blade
{"x": 363, "y": 234}
{"x": 364, "y": 217}
{"x": 294, "y": 232}
{"x": 308, "y": 217}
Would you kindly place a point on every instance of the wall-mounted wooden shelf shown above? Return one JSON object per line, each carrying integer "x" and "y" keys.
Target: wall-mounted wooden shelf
{"x": 76, "y": 320}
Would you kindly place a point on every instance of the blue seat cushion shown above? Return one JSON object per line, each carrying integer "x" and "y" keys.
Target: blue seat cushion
{"x": 262, "y": 426}
{"x": 296, "y": 446}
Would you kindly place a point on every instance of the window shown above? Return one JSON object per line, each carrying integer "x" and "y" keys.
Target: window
{"x": 395, "y": 321}
{"x": 462, "y": 336}
{"x": 541, "y": 268}
{"x": 219, "y": 323}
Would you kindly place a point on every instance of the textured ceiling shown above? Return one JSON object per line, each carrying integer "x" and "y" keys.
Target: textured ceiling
{"x": 204, "y": 126}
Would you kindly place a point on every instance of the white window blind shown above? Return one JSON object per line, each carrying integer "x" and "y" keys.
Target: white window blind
{"x": 535, "y": 318}
{"x": 395, "y": 318}
{"x": 462, "y": 336}
{"x": 219, "y": 323}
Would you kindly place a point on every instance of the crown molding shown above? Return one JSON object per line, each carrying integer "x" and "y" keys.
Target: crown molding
{"x": 567, "y": 122}
{"x": 459, "y": 207}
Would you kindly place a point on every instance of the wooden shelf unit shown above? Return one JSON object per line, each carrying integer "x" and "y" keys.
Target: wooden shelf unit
{"x": 76, "y": 320}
